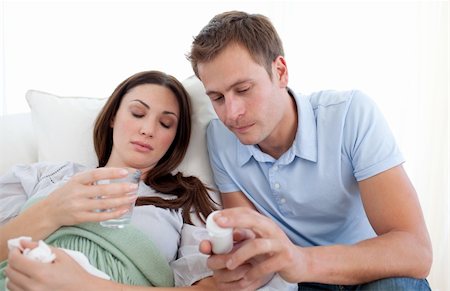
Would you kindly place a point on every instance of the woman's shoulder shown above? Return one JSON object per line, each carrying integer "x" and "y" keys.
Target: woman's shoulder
{"x": 66, "y": 168}
{"x": 42, "y": 170}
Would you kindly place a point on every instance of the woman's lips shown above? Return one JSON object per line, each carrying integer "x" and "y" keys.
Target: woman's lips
{"x": 141, "y": 146}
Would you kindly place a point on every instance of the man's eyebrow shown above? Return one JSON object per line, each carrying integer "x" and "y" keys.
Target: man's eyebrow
{"x": 238, "y": 82}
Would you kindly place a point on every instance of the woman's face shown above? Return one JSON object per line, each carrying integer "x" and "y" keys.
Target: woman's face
{"x": 144, "y": 127}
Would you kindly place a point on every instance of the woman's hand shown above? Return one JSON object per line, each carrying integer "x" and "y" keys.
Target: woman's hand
{"x": 62, "y": 274}
{"x": 76, "y": 201}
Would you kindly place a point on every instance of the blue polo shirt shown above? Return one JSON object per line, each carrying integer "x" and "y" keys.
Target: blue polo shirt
{"x": 311, "y": 191}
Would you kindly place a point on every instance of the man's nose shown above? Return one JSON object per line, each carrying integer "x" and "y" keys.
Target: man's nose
{"x": 235, "y": 107}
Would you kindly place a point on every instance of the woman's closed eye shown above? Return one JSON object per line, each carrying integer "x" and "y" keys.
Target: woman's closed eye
{"x": 137, "y": 115}
{"x": 167, "y": 121}
{"x": 165, "y": 125}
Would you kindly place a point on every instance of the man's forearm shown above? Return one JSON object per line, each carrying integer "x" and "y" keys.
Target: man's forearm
{"x": 390, "y": 255}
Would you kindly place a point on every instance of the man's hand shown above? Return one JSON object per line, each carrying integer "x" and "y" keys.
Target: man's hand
{"x": 262, "y": 249}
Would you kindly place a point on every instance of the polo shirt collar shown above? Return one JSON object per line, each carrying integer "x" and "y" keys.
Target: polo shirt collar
{"x": 305, "y": 142}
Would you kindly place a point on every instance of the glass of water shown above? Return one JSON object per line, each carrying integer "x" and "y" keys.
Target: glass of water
{"x": 120, "y": 222}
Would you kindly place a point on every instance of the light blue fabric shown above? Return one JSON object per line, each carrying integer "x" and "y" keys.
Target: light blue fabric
{"x": 311, "y": 191}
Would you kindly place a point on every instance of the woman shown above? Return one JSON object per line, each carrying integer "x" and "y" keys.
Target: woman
{"x": 144, "y": 125}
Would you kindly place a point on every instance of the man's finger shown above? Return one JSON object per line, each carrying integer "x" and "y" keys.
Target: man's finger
{"x": 243, "y": 234}
{"x": 259, "y": 247}
{"x": 217, "y": 262}
{"x": 237, "y": 274}
{"x": 246, "y": 218}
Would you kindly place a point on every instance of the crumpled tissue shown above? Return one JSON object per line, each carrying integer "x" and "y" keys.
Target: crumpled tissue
{"x": 43, "y": 253}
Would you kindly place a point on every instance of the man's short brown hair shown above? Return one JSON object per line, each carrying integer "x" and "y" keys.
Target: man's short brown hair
{"x": 254, "y": 32}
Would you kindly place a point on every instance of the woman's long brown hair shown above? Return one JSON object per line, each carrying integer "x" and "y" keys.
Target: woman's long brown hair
{"x": 191, "y": 193}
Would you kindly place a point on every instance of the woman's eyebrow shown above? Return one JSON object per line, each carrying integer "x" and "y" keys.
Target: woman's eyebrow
{"x": 142, "y": 102}
{"x": 170, "y": 113}
{"x": 148, "y": 107}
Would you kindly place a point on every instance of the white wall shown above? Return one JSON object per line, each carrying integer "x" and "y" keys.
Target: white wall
{"x": 395, "y": 51}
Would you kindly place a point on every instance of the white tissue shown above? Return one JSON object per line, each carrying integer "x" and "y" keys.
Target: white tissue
{"x": 43, "y": 253}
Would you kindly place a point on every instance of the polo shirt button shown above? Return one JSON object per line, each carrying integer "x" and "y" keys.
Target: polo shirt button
{"x": 282, "y": 200}
{"x": 275, "y": 168}
{"x": 277, "y": 185}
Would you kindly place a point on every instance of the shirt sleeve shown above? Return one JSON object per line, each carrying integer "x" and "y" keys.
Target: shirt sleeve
{"x": 368, "y": 140}
{"x": 190, "y": 266}
{"x": 16, "y": 187}
{"x": 23, "y": 182}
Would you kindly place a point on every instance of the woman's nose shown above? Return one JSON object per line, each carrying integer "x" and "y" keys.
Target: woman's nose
{"x": 147, "y": 129}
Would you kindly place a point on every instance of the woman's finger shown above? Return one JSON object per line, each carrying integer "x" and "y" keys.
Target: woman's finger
{"x": 17, "y": 261}
{"x": 124, "y": 201}
{"x": 16, "y": 280}
{"x": 104, "y": 173}
{"x": 28, "y": 244}
{"x": 112, "y": 190}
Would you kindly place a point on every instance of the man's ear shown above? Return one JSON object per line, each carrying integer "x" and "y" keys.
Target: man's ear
{"x": 280, "y": 71}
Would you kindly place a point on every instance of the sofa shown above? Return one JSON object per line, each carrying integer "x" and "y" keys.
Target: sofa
{"x": 59, "y": 128}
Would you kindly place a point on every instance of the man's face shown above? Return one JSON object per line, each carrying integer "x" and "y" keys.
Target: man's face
{"x": 244, "y": 96}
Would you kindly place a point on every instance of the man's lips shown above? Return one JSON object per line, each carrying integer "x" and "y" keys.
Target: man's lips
{"x": 242, "y": 129}
{"x": 142, "y": 146}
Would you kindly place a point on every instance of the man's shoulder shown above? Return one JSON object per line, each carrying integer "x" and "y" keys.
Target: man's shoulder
{"x": 216, "y": 130}
{"x": 333, "y": 98}
{"x": 216, "y": 126}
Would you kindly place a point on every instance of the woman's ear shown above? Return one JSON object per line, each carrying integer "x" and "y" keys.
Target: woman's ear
{"x": 111, "y": 123}
{"x": 280, "y": 71}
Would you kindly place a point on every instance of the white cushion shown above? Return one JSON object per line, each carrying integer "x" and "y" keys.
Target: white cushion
{"x": 196, "y": 162}
{"x": 64, "y": 126}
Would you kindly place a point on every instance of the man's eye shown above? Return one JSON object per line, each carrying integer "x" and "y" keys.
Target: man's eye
{"x": 217, "y": 98}
{"x": 243, "y": 90}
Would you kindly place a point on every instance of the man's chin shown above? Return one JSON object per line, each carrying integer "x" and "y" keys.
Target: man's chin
{"x": 247, "y": 140}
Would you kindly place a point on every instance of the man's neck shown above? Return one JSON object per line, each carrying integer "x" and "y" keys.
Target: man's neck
{"x": 279, "y": 142}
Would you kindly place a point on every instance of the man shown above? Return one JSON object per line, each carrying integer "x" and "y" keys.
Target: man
{"x": 336, "y": 208}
